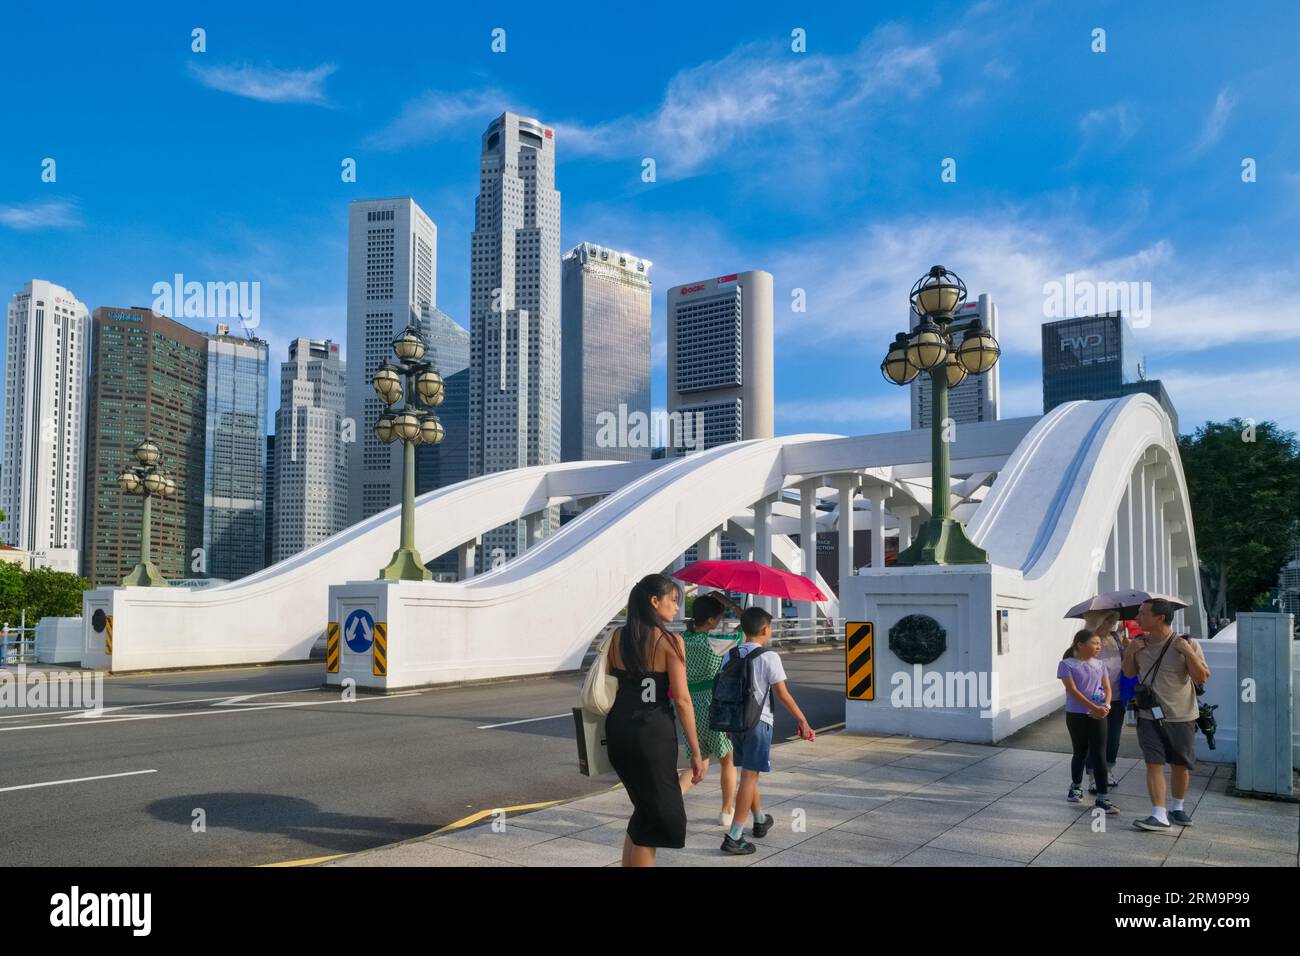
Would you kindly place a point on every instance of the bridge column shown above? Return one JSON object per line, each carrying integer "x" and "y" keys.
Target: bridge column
{"x": 808, "y": 546}
{"x": 1124, "y": 539}
{"x": 763, "y": 546}
{"x": 709, "y": 547}
{"x": 1109, "y": 578}
{"x": 1142, "y": 529}
{"x": 847, "y": 486}
{"x": 876, "y": 493}
{"x": 1155, "y": 474}
{"x": 903, "y": 513}
{"x": 465, "y": 555}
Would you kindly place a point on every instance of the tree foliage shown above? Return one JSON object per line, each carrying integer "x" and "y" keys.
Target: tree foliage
{"x": 42, "y": 592}
{"x": 1244, "y": 484}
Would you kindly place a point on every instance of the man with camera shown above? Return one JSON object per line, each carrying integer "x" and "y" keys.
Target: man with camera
{"x": 1167, "y": 667}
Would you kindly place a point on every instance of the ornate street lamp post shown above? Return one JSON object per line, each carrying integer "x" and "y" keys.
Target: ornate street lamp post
{"x": 933, "y": 348}
{"x": 147, "y": 480}
{"x": 416, "y": 381}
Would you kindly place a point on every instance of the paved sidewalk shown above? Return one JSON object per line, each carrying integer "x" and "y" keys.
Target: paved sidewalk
{"x": 894, "y": 801}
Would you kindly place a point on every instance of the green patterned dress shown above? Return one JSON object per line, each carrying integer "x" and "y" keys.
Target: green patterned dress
{"x": 703, "y": 661}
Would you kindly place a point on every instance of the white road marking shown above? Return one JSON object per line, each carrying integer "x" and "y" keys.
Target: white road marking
{"x": 530, "y": 720}
{"x": 91, "y": 714}
{"x": 56, "y": 783}
{"x": 239, "y": 709}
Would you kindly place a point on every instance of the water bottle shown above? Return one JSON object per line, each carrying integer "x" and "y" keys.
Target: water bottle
{"x": 1098, "y": 697}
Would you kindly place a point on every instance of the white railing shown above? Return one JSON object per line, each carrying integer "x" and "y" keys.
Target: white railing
{"x": 17, "y": 645}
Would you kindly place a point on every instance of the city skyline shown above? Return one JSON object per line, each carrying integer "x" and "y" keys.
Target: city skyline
{"x": 1050, "y": 184}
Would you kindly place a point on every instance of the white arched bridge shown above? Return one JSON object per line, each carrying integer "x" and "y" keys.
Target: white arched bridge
{"x": 1090, "y": 496}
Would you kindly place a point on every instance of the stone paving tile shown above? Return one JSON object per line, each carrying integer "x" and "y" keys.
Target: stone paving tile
{"x": 420, "y": 853}
{"x": 483, "y": 840}
{"x": 903, "y": 779}
{"x": 818, "y": 815}
{"x": 804, "y": 859}
{"x": 899, "y": 828}
{"x": 1073, "y": 854}
{"x": 932, "y": 856}
{"x": 1193, "y": 852}
{"x": 855, "y": 848}
{"x": 938, "y": 760}
{"x": 705, "y": 849}
{"x": 1020, "y": 847}
{"x": 565, "y": 851}
{"x": 613, "y": 802}
{"x": 610, "y": 834}
{"x": 561, "y": 820}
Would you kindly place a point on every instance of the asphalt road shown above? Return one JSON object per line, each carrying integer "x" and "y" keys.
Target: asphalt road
{"x": 295, "y": 772}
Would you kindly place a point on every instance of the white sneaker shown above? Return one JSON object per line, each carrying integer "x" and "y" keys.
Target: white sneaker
{"x": 724, "y": 818}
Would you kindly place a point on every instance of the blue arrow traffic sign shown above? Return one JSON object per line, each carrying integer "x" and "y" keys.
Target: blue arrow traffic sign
{"x": 359, "y": 631}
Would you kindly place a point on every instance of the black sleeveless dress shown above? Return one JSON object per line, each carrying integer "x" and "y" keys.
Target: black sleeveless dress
{"x": 641, "y": 731}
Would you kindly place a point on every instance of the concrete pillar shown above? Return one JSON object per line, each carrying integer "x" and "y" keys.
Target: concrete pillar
{"x": 876, "y": 494}
{"x": 709, "y": 547}
{"x": 1141, "y": 528}
{"x": 533, "y": 528}
{"x": 1124, "y": 539}
{"x": 847, "y": 486}
{"x": 905, "y": 514}
{"x": 763, "y": 546}
{"x": 465, "y": 559}
{"x": 808, "y": 546}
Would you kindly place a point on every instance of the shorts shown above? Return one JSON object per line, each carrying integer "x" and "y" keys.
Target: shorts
{"x": 1182, "y": 742}
{"x": 754, "y": 748}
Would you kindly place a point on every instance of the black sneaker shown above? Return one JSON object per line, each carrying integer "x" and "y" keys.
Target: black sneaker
{"x": 760, "y": 829}
{"x": 1110, "y": 808}
{"x": 739, "y": 847}
{"x": 1075, "y": 795}
{"x": 1152, "y": 824}
{"x": 1180, "y": 817}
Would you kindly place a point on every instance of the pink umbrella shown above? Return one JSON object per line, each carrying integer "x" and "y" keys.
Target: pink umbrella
{"x": 750, "y": 577}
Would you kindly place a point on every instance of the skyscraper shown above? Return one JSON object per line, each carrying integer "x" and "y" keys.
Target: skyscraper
{"x": 47, "y": 351}
{"x": 1096, "y": 357}
{"x": 392, "y": 267}
{"x": 606, "y": 346}
{"x": 447, "y": 462}
{"x": 234, "y": 502}
{"x": 720, "y": 367}
{"x": 148, "y": 380}
{"x": 311, "y": 460}
{"x": 514, "y": 403}
{"x": 974, "y": 400}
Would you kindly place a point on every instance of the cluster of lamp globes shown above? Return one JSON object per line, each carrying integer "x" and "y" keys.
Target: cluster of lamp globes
{"x": 147, "y": 478}
{"x": 930, "y": 346}
{"x": 409, "y": 424}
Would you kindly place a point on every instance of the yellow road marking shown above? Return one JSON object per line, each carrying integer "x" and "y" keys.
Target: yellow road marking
{"x": 307, "y": 862}
{"x": 476, "y": 817}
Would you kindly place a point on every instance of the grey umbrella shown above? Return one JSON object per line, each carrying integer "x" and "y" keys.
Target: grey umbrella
{"x": 1126, "y": 602}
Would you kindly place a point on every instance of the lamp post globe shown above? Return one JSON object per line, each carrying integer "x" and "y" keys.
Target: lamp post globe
{"x": 978, "y": 351}
{"x": 895, "y": 366}
{"x": 431, "y": 430}
{"x": 928, "y": 346}
{"x": 128, "y": 482}
{"x": 938, "y": 294}
{"x": 384, "y": 429}
{"x": 408, "y": 345}
{"x": 954, "y": 371}
{"x": 388, "y": 384}
{"x": 430, "y": 387}
{"x": 147, "y": 453}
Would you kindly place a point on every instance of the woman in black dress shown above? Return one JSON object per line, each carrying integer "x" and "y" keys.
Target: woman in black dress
{"x": 648, "y": 659}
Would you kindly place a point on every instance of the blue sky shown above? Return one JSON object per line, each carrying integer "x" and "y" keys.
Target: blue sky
{"x": 822, "y": 167}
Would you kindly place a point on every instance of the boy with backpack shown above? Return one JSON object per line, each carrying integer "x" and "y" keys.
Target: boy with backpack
{"x": 750, "y": 677}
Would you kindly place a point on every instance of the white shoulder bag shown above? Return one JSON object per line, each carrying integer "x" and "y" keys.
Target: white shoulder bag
{"x": 600, "y": 687}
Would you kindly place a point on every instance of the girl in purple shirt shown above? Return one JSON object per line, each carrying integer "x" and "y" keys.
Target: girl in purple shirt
{"x": 1087, "y": 705}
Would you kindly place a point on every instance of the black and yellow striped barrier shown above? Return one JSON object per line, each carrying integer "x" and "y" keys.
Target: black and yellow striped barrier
{"x": 859, "y": 667}
{"x": 332, "y": 647}
{"x": 381, "y": 650}
{"x": 108, "y": 634}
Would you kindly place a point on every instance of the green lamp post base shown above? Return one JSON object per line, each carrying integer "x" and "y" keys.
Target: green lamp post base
{"x": 145, "y": 575}
{"x": 942, "y": 541}
{"x": 405, "y": 566}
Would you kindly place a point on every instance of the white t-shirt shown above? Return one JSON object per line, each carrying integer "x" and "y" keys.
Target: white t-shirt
{"x": 767, "y": 670}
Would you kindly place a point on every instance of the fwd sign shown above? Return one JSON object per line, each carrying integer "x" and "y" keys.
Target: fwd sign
{"x": 1078, "y": 342}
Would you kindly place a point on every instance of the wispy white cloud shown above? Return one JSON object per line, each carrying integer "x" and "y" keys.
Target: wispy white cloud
{"x": 854, "y": 410}
{"x": 44, "y": 214}
{"x": 759, "y": 90}
{"x": 1107, "y": 129}
{"x": 1215, "y": 122}
{"x": 267, "y": 84}
{"x": 434, "y": 115}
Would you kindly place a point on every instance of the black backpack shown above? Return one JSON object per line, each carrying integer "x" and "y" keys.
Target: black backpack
{"x": 735, "y": 709}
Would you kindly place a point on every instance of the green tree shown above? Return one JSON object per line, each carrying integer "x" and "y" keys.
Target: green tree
{"x": 42, "y": 593}
{"x": 1244, "y": 485}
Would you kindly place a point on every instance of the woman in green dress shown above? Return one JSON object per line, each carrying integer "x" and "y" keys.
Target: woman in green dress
{"x": 704, "y": 652}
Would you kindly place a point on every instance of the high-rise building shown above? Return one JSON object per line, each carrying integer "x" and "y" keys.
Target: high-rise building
{"x": 720, "y": 371}
{"x": 514, "y": 403}
{"x": 974, "y": 400}
{"x": 1096, "y": 357}
{"x": 234, "y": 498}
{"x": 269, "y": 490}
{"x": 311, "y": 487}
{"x": 447, "y": 462}
{"x": 392, "y": 267}
{"x": 47, "y": 352}
{"x": 606, "y": 347}
{"x": 149, "y": 380}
